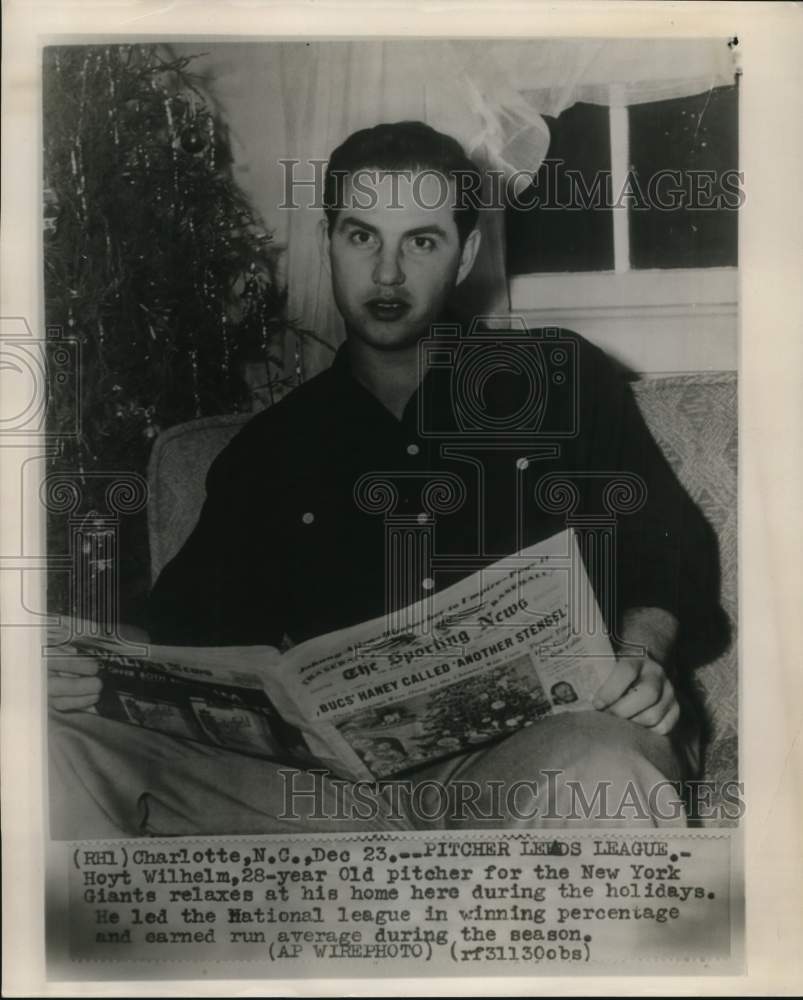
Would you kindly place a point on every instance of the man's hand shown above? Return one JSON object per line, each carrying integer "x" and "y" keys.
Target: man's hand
{"x": 638, "y": 689}
{"x": 72, "y": 682}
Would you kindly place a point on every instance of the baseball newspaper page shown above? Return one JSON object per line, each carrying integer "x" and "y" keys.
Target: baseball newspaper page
{"x": 489, "y": 655}
{"x": 399, "y": 596}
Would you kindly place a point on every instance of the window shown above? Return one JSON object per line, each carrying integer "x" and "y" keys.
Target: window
{"x": 554, "y": 236}
{"x": 696, "y": 138}
{"x": 630, "y": 229}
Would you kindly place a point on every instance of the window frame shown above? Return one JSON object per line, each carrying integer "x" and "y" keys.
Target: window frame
{"x": 686, "y": 304}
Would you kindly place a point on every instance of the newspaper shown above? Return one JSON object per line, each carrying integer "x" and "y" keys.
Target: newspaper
{"x": 477, "y": 661}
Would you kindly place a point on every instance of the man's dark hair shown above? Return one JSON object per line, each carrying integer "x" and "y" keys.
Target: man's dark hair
{"x": 411, "y": 146}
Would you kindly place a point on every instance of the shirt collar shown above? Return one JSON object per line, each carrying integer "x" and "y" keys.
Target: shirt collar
{"x": 340, "y": 368}
{"x": 433, "y": 392}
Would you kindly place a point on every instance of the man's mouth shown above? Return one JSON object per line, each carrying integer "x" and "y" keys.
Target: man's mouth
{"x": 388, "y": 309}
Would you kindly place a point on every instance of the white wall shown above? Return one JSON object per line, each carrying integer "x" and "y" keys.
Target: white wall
{"x": 653, "y": 321}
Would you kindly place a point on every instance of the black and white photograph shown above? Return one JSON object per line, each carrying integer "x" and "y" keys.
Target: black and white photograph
{"x": 448, "y": 266}
{"x": 388, "y": 471}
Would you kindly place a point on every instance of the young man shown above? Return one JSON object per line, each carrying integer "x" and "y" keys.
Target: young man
{"x": 285, "y": 548}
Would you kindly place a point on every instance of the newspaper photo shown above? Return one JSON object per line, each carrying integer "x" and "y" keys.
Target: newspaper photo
{"x": 334, "y": 481}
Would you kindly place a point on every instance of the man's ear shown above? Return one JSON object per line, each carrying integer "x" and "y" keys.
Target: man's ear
{"x": 323, "y": 242}
{"x": 468, "y": 255}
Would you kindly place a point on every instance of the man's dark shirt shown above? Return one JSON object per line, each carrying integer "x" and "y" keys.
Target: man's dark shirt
{"x": 282, "y": 546}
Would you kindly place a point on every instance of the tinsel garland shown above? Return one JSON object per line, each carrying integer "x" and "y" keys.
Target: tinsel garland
{"x": 155, "y": 263}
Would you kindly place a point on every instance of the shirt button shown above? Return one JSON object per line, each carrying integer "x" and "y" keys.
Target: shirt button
{"x": 413, "y": 449}
{"x": 427, "y": 583}
{"x": 308, "y": 518}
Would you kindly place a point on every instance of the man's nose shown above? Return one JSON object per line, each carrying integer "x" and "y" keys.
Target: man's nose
{"x": 388, "y": 269}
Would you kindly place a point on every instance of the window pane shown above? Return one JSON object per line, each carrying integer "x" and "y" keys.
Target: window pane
{"x": 549, "y": 237}
{"x": 697, "y": 139}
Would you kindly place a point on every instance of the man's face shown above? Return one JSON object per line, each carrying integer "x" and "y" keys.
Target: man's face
{"x": 395, "y": 256}
{"x": 563, "y": 692}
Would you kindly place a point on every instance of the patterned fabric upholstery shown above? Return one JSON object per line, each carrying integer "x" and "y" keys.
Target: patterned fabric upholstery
{"x": 177, "y": 471}
{"x": 693, "y": 418}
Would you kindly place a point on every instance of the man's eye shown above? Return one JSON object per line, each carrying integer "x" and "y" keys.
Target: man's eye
{"x": 424, "y": 243}
{"x": 361, "y": 238}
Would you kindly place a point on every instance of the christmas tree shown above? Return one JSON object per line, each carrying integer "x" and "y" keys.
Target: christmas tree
{"x": 155, "y": 264}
